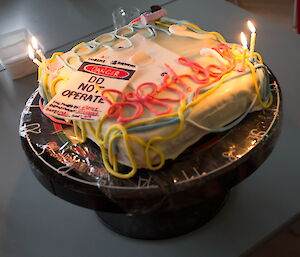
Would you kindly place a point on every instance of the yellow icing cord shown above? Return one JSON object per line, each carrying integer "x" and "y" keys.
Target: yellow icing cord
{"x": 254, "y": 78}
{"x": 80, "y": 44}
{"x": 259, "y": 57}
{"x": 209, "y": 92}
{"x": 99, "y": 128}
{"x": 45, "y": 80}
{"x": 90, "y": 126}
{"x": 132, "y": 159}
{"x": 39, "y": 74}
{"x": 181, "y": 110}
{"x": 162, "y": 24}
{"x": 53, "y": 56}
{"x": 142, "y": 143}
{"x": 81, "y": 138}
{"x": 143, "y": 122}
{"x": 110, "y": 158}
{"x": 53, "y": 84}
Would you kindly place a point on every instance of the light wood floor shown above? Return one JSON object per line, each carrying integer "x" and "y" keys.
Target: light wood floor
{"x": 279, "y": 11}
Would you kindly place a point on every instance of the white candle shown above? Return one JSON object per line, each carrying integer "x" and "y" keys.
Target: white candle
{"x": 32, "y": 57}
{"x": 35, "y": 45}
{"x": 253, "y": 38}
{"x": 245, "y": 48}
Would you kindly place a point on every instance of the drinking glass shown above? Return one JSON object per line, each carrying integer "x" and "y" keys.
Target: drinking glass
{"x": 122, "y": 16}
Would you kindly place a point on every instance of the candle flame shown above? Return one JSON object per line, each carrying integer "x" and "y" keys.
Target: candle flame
{"x": 30, "y": 52}
{"x": 251, "y": 26}
{"x": 244, "y": 40}
{"x": 34, "y": 42}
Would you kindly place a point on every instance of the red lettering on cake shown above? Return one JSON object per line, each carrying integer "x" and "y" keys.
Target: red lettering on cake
{"x": 106, "y": 71}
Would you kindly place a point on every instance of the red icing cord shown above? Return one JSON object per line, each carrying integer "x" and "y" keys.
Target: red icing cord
{"x": 135, "y": 20}
{"x": 177, "y": 78}
{"x": 149, "y": 100}
{"x": 212, "y": 73}
{"x": 51, "y": 117}
{"x": 166, "y": 85}
{"x": 112, "y": 91}
{"x": 205, "y": 72}
{"x": 197, "y": 68}
{"x": 138, "y": 99}
{"x": 115, "y": 110}
{"x": 225, "y": 52}
{"x": 217, "y": 50}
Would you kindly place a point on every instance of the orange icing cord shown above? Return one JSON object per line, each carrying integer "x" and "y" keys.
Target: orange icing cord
{"x": 139, "y": 100}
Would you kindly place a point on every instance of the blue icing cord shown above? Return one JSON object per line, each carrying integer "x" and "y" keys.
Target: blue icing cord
{"x": 152, "y": 33}
{"x": 129, "y": 44}
{"x": 230, "y": 125}
{"x": 95, "y": 41}
{"x": 130, "y": 28}
{"x": 92, "y": 47}
{"x": 71, "y": 65}
{"x": 152, "y": 29}
{"x": 124, "y": 37}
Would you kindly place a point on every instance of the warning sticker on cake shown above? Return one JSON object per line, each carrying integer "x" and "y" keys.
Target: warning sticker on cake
{"x": 106, "y": 71}
{"x": 80, "y": 98}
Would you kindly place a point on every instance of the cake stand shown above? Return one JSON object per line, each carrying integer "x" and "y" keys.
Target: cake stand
{"x": 182, "y": 196}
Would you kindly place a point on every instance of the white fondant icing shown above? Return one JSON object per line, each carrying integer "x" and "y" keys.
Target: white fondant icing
{"x": 212, "y": 53}
{"x": 220, "y": 108}
{"x": 141, "y": 59}
{"x": 180, "y": 30}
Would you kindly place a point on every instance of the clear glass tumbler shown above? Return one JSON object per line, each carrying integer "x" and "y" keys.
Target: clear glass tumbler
{"x": 122, "y": 16}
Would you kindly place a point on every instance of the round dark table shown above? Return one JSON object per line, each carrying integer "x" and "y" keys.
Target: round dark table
{"x": 182, "y": 196}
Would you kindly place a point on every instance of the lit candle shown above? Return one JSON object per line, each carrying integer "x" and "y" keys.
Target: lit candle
{"x": 253, "y": 37}
{"x": 35, "y": 45}
{"x": 245, "y": 48}
{"x": 31, "y": 56}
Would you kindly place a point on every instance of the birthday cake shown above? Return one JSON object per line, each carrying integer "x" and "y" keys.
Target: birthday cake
{"x": 146, "y": 92}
